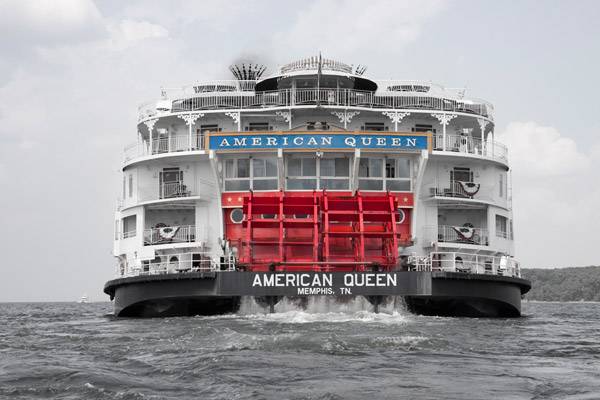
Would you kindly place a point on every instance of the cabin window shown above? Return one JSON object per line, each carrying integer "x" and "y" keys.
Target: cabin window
{"x": 237, "y": 174}
{"x": 237, "y": 216}
{"x": 264, "y": 173}
{"x": 258, "y": 126}
{"x": 170, "y": 183}
{"x": 501, "y": 186}
{"x": 511, "y": 231}
{"x": 203, "y": 130}
{"x": 130, "y": 185}
{"x": 423, "y": 128}
{"x": 397, "y": 174}
{"x": 129, "y": 226}
{"x": 210, "y": 128}
{"x": 301, "y": 173}
{"x": 501, "y": 223}
{"x": 374, "y": 126}
{"x": 459, "y": 174}
{"x": 244, "y": 174}
{"x": 334, "y": 173}
{"x": 370, "y": 174}
{"x": 124, "y": 186}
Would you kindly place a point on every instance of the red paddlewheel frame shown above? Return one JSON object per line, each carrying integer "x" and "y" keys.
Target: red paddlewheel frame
{"x": 320, "y": 231}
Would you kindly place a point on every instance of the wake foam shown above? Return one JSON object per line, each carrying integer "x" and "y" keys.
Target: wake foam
{"x": 325, "y": 309}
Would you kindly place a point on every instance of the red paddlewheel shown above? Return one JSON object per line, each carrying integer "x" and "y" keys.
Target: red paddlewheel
{"x": 320, "y": 231}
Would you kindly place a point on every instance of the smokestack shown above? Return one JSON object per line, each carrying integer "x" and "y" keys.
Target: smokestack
{"x": 247, "y": 71}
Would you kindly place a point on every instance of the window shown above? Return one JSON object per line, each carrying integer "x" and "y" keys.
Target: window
{"x": 236, "y": 216}
{"x": 264, "y": 173}
{"x": 501, "y": 223}
{"x": 170, "y": 183}
{"x": 370, "y": 174}
{"x": 258, "y": 126}
{"x": 334, "y": 173}
{"x": 237, "y": 174}
{"x": 501, "y": 186}
{"x": 511, "y": 232}
{"x": 374, "y": 126}
{"x": 459, "y": 174}
{"x": 124, "y": 186}
{"x": 301, "y": 173}
{"x": 198, "y": 140}
{"x": 251, "y": 174}
{"x": 397, "y": 174}
{"x": 423, "y": 128}
{"x": 130, "y": 185}
{"x": 129, "y": 226}
{"x": 210, "y": 128}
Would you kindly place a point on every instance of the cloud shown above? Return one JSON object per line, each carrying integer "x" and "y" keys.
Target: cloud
{"x": 555, "y": 196}
{"x": 128, "y": 32}
{"x": 541, "y": 151}
{"x": 352, "y": 28}
{"x": 47, "y": 22}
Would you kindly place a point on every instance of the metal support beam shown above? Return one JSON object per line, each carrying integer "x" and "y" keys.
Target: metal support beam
{"x": 417, "y": 191}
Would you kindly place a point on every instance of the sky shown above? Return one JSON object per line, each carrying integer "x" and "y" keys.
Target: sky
{"x": 72, "y": 73}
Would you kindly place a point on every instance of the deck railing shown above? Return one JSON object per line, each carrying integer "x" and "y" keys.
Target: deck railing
{"x": 470, "y": 145}
{"x": 177, "y": 143}
{"x": 174, "y": 143}
{"x": 323, "y": 96}
{"x": 167, "y": 190}
{"x": 179, "y": 263}
{"x": 462, "y": 190}
{"x": 457, "y": 234}
{"x": 170, "y": 234}
{"x": 467, "y": 263}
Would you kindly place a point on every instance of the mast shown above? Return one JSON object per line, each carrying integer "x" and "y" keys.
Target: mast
{"x": 319, "y": 72}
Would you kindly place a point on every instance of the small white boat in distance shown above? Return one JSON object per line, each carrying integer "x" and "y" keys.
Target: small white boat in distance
{"x": 84, "y": 299}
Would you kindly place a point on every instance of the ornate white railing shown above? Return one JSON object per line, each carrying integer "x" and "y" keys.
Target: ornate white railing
{"x": 470, "y": 145}
{"x": 462, "y": 190}
{"x": 172, "y": 144}
{"x": 175, "y": 263}
{"x": 457, "y": 234}
{"x": 331, "y": 97}
{"x": 170, "y": 234}
{"x": 467, "y": 263}
{"x": 168, "y": 190}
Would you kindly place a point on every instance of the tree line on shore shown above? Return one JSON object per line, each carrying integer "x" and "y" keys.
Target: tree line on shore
{"x": 563, "y": 284}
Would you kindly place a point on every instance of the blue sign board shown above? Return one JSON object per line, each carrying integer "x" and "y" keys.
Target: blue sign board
{"x": 322, "y": 141}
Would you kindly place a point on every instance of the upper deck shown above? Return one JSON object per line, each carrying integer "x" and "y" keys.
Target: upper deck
{"x": 240, "y": 95}
{"x": 313, "y": 82}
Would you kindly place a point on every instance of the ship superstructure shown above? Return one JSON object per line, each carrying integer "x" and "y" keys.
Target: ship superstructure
{"x": 315, "y": 168}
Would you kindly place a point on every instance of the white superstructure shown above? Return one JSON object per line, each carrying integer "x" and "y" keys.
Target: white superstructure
{"x": 182, "y": 200}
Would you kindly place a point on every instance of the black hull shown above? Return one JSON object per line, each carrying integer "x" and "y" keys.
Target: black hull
{"x": 469, "y": 295}
{"x": 213, "y": 293}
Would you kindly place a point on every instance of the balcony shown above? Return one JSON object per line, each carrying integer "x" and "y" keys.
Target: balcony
{"x": 170, "y": 234}
{"x": 467, "y": 263}
{"x": 167, "y": 191}
{"x": 457, "y": 234}
{"x": 175, "y": 264}
{"x": 471, "y": 145}
{"x": 217, "y": 100}
{"x": 163, "y": 145}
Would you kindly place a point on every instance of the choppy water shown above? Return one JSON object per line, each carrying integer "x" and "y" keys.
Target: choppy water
{"x": 77, "y": 351}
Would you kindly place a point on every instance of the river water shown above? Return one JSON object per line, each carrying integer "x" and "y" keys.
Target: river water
{"x": 329, "y": 351}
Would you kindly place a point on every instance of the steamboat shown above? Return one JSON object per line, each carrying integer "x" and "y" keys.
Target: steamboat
{"x": 315, "y": 180}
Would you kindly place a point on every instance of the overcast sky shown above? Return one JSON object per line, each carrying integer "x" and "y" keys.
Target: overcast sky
{"x": 72, "y": 73}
